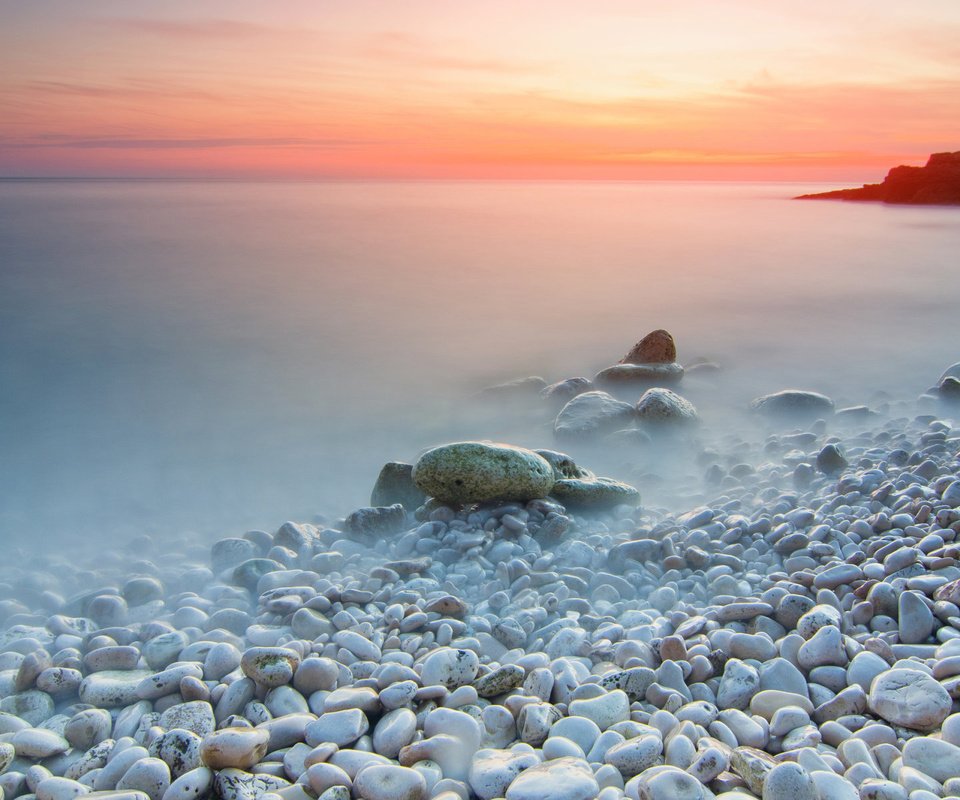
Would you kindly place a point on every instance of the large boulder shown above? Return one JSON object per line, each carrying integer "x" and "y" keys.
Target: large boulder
{"x": 594, "y": 494}
{"x": 592, "y": 413}
{"x": 471, "y": 472}
{"x": 395, "y": 485}
{"x": 660, "y": 406}
{"x": 657, "y": 347}
{"x": 793, "y": 403}
{"x": 649, "y": 374}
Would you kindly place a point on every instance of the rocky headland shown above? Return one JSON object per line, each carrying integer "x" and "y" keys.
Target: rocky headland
{"x": 935, "y": 183}
{"x": 502, "y": 622}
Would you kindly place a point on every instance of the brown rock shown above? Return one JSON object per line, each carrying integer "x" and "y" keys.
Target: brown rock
{"x": 657, "y": 347}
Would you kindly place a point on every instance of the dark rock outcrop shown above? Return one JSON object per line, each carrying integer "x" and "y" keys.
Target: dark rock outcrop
{"x": 935, "y": 184}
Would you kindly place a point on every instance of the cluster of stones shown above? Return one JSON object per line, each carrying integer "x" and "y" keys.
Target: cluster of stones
{"x": 795, "y": 638}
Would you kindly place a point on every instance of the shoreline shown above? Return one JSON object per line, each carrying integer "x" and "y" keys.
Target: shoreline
{"x": 526, "y": 648}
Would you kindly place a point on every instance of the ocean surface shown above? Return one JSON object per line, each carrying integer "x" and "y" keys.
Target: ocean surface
{"x": 214, "y": 357}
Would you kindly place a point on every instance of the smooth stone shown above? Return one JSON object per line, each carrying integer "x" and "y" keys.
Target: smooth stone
{"x": 793, "y": 403}
{"x": 450, "y": 668}
{"x": 788, "y": 781}
{"x": 270, "y": 666}
{"x": 606, "y": 710}
{"x": 670, "y": 783}
{"x": 196, "y": 716}
{"x": 56, "y": 788}
{"x": 394, "y": 731}
{"x": 657, "y": 347}
{"x": 825, "y": 647}
{"x": 560, "y": 779}
{"x": 323, "y": 776}
{"x": 161, "y": 651}
{"x": 112, "y": 688}
{"x": 739, "y": 683}
{"x": 648, "y": 374}
{"x": 934, "y": 757}
{"x": 241, "y": 748}
{"x": 909, "y": 697}
{"x": 660, "y": 406}
{"x": 38, "y": 743}
{"x": 149, "y": 775}
{"x": 31, "y": 706}
{"x": 500, "y": 681}
{"x": 592, "y": 413}
{"x": 389, "y": 782}
{"x": 469, "y": 472}
{"x": 342, "y": 728}
{"x": 635, "y": 755}
{"x": 915, "y": 619}
{"x": 180, "y": 750}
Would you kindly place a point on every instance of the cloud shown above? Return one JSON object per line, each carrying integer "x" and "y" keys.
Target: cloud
{"x": 419, "y": 52}
{"x": 205, "y": 28}
{"x": 129, "y": 90}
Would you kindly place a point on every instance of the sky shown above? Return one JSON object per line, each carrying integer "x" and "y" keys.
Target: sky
{"x": 438, "y": 89}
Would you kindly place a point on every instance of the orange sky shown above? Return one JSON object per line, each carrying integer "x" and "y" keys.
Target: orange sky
{"x": 623, "y": 89}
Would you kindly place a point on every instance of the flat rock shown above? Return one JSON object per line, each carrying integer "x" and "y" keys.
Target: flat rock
{"x": 594, "y": 494}
{"x": 793, "y": 403}
{"x": 649, "y": 374}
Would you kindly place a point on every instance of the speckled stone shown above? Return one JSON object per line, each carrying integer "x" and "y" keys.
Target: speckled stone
{"x": 595, "y": 494}
{"x": 468, "y": 472}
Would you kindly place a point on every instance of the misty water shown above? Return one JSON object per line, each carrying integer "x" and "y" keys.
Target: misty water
{"x": 213, "y": 357}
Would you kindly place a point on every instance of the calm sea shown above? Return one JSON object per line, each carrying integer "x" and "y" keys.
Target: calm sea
{"x": 188, "y": 356}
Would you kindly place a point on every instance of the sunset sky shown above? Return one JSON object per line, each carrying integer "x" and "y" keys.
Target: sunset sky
{"x": 751, "y": 89}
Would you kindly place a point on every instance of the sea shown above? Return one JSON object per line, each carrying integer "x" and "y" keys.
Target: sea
{"x": 206, "y": 358}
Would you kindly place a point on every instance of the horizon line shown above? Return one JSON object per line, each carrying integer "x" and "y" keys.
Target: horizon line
{"x": 390, "y": 179}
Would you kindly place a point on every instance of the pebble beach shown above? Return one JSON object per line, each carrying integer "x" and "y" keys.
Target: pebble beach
{"x": 503, "y": 622}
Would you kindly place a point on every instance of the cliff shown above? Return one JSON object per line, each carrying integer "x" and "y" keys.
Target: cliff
{"x": 935, "y": 183}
